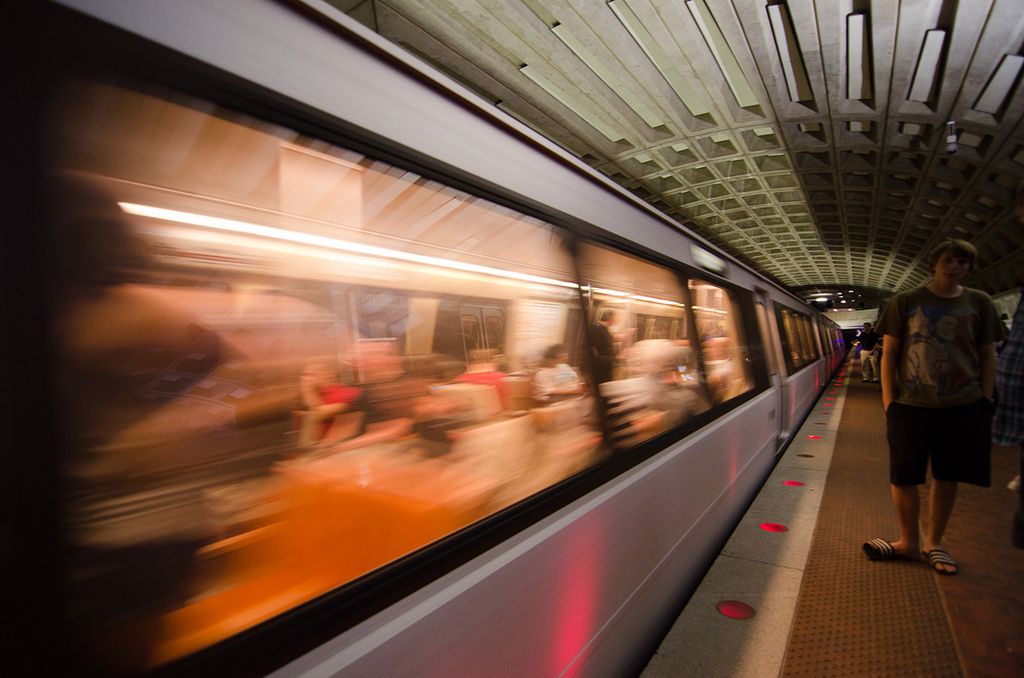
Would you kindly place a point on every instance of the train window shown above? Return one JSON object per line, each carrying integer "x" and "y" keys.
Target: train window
{"x": 382, "y": 315}
{"x": 810, "y": 343}
{"x": 494, "y": 331}
{"x": 726, "y": 362}
{"x": 765, "y": 334}
{"x": 472, "y": 337}
{"x": 285, "y": 364}
{"x": 643, "y": 357}
{"x": 825, "y": 336}
{"x": 574, "y": 335}
{"x": 797, "y": 343}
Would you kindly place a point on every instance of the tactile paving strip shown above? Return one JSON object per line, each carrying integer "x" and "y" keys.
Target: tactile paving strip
{"x": 855, "y": 617}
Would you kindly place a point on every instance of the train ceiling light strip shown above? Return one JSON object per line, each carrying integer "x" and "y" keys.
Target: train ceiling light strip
{"x": 333, "y": 244}
{"x": 233, "y": 226}
{"x": 663, "y": 302}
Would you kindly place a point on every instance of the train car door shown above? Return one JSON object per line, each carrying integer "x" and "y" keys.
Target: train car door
{"x": 773, "y": 359}
{"x": 482, "y": 327}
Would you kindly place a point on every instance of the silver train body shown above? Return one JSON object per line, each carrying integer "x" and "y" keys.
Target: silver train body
{"x": 579, "y": 576}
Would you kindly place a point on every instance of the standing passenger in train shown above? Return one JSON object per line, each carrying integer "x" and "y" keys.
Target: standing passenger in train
{"x": 938, "y": 377}
{"x": 603, "y": 345}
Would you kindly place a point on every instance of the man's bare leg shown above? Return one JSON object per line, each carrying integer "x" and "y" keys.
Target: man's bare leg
{"x": 908, "y": 509}
{"x": 940, "y": 507}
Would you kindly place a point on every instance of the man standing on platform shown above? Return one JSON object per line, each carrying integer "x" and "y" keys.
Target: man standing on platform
{"x": 938, "y": 377}
{"x": 868, "y": 358}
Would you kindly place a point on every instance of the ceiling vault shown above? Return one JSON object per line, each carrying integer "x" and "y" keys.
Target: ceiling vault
{"x": 809, "y": 138}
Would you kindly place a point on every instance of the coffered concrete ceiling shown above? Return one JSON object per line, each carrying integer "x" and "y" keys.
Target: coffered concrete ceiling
{"x": 808, "y": 138}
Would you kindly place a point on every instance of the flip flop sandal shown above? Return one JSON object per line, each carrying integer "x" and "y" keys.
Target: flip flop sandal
{"x": 938, "y": 557}
{"x": 880, "y": 549}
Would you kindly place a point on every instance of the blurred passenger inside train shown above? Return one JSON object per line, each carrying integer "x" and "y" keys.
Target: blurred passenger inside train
{"x": 483, "y": 369}
{"x": 557, "y": 380}
{"x": 718, "y": 364}
{"x": 603, "y": 345}
{"x": 671, "y": 367}
{"x": 331, "y": 410}
{"x": 393, "y": 400}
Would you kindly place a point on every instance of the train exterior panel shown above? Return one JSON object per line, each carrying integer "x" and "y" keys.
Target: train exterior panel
{"x": 597, "y": 608}
{"x": 359, "y": 376}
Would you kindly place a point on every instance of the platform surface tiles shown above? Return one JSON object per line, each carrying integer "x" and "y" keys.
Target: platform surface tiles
{"x": 792, "y": 594}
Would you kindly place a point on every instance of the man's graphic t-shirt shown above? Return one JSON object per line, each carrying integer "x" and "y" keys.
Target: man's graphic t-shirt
{"x": 940, "y": 342}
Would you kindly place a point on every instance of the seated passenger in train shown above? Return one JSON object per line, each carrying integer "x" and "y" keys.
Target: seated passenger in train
{"x": 389, "y": 396}
{"x": 483, "y": 369}
{"x": 722, "y": 382}
{"x": 397, "y": 401}
{"x": 666, "y": 371}
{"x": 329, "y": 406}
{"x": 557, "y": 380}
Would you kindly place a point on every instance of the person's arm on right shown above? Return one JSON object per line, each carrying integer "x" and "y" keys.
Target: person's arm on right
{"x": 890, "y": 371}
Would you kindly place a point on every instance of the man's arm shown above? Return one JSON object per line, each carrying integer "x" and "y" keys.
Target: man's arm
{"x": 890, "y": 369}
{"x": 987, "y": 365}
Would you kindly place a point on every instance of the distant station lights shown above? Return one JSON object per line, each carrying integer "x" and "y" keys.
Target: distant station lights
{"x": 838, "y": 300}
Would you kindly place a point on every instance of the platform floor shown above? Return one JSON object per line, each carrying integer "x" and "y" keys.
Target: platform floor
{"x": 820, "y": 608}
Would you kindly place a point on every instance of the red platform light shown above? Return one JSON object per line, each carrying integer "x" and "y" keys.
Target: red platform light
{"x": 814, "y": 437}
{"x": 774, "y": 527}
{"x": 734, "y": 609}
{"x": 792, "y": 483}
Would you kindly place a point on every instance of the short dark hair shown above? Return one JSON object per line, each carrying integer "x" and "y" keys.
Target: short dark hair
{"x": 554, "y": 351}
{"x": 959, "y": 248}
{"x": 607, "y": 314}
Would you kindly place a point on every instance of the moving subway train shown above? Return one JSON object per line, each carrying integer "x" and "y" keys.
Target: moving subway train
{"x": 352, "y": 374}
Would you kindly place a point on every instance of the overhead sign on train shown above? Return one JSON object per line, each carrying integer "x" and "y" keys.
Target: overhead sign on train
{"x": 707, "y": 260}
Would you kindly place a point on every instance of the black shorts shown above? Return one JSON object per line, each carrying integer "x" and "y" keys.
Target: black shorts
{"x": 957, "y": 440}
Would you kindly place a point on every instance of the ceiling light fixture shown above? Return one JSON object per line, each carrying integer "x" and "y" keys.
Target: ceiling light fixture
{"x": 858, "y": 68}
{"x": 693, "y": 101}
{"x": 1000, "y": 84}
{"x": 722, "y": 53}
{"x": 788, "y": 47}
{"x": 617, "y": 85}
{"x": 590, "y": 116}
{"x": 926, "y": 73}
